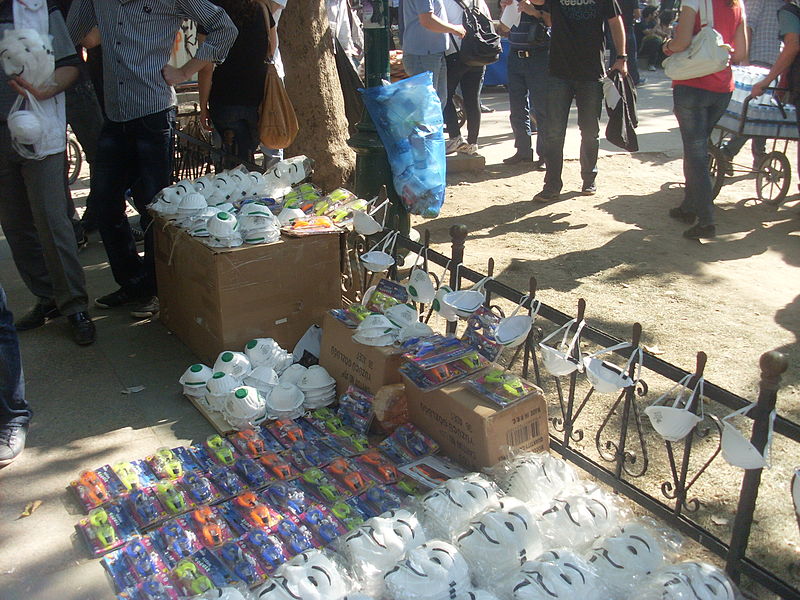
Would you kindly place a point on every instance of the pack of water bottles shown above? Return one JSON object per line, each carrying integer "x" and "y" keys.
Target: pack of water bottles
{"x": 408, "y": 117}
{"x": 766, "y": 115}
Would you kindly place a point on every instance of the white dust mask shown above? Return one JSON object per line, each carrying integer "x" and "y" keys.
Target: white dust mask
{"x": 674, "y": 422}
{"x": 559, "y": 360}
{"x": 608, "y": 378}
{"x": 737, "y": 449}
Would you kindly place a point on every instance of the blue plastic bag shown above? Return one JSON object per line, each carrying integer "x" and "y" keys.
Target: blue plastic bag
{"x": 408, "y": 117}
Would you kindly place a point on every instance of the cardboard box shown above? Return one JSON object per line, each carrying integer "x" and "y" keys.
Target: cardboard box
{"x": 473, "y": 431}
{"x": 349, "y": 362}
{"x": 217, "y": 299}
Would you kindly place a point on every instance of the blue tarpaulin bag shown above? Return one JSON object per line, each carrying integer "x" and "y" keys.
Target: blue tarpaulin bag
{"x": 408, "y": 117}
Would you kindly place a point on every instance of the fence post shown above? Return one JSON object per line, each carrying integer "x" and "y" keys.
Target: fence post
{"x": 458, "y": 236}
{"x": 773, "y": 364}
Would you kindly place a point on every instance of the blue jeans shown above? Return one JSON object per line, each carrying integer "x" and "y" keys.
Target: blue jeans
{"x": 527, "y": 93}
{"x": 13, "y": 408}
{"x": 414, "y": 64}
{"x": 238, "y": 128}
{"x": 132, "y": 151}
{"x": 588, "y": 98}
{"x": 697, "y": 112}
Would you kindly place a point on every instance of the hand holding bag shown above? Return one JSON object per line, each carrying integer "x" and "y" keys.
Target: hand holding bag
{"x": 708, "y": 53}
{"x": 277, "y": 122}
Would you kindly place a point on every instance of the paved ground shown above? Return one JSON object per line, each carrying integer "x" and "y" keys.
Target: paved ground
{"x": 83, "y": 420}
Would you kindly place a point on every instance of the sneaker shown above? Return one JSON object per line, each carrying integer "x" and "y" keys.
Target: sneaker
{"x": 651, "y": 68}
{"x": 470, "y": 149}
{"x": 148, "y": 309}
{"x": 642, "y": 81}
{"x": 546, "y": 196}
{"x": 453, "y": 144}
{"x": 119, "y": 298}
{"x": 698, "y": 232}
{"x": 12, "y": 442}
{"x": 486, "y": 109}
{"x": 539, "y": 165}
{"x": 38, "y": 315}
{"x": 589, "y": 189}
{"x": 520, "y": 157}
{"x": 681, "y": 215}
{"x": 83, "y": 329}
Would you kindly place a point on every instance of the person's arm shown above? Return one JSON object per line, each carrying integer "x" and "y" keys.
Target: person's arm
{"x": 618, "y": 35}
{"x": 80, "y": 21}
{"x": 683, "y": 32}
{"x": 204, "y": 77}
{"x": 741, "y": 44}
{"x": 91, "y": 39}
{"x": 791, "y": 46}
{"x": 528, "y": 8}
{"x": 433, "y": 23}
{"x": 220, "y": 35}
{"x": 63, "y": 77}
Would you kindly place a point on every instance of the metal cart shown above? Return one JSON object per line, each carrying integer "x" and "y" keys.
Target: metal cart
{"x": 773, "y": 173}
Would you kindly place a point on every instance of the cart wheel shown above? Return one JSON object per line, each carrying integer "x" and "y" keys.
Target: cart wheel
{"x": 717, "y": 163}
{"x": 773, "y": 178}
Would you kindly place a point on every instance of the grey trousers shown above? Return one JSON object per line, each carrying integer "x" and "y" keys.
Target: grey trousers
{"x": 38, "y": 229}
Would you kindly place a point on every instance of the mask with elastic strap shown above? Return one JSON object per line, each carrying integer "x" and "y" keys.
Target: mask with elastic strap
{"x": 737, "y": 449}
{"x": 608, "y": 378}
{"x": 674, "y": 422}
{"x": 559, "y": 360}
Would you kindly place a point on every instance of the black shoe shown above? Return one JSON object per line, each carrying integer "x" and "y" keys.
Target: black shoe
{"x": 83, "y": 330}
{"x": 698, "y": 232}
{"x": 38, "y": 315}
{"x": 681, "y": 215}
{"x": 546, "y": 196}
{"x": 119, "y": 298}
{"x": 147, "y": 309}
{"x": 589, "y": 189}
{"x": 89, "y": 221}
{"x": 519, "y": 157}
{"x": 12, "y": 442}
{"x": 539, "y": 165}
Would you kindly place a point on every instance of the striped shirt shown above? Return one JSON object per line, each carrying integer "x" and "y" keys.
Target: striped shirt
{"x": 137, "y": 38}
{"x": 762, "y": 18}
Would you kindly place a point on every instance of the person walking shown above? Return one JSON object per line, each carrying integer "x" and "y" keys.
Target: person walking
{"x": 33, "y": 201}
{"x": 698, "y": 105}
{"x": 15, "y": 413}
{"x": 529, "y": 52}
{"x": 136, "y": 140}
{"x": 576, "y": 69}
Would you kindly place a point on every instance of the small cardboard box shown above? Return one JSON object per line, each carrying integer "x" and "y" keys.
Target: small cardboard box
{"x": 217, "y": 299}
{"x": 349, "y": 362}
{"x": 473, "y": 431}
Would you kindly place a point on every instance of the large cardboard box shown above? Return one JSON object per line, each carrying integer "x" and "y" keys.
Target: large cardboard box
{"x": 473, "y": 431}
{"x": 349, "y": 362}
{"x": 217, "y": 299}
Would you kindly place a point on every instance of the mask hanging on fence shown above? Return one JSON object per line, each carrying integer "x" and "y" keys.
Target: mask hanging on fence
{"x": 675, "y": 422}
{"x": 737, "y": 449}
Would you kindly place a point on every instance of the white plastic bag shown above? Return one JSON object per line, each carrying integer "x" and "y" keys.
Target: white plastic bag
{"x": 27, "y": 123}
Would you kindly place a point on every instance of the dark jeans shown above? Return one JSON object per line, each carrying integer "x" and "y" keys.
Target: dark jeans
{"x": 238, "y": 128}
{"x": 527, "y": 93}
{"x": 470, "y": 79}
{"x": 13, "y": 408}
{"x": 651, "y": 50}
{"x": 631, "y": 49}
{"x": 588, "y": 97}
{"x": 697, "y": 112}
{"x": 139, "y": 150}
{"x": 86, "y": 120}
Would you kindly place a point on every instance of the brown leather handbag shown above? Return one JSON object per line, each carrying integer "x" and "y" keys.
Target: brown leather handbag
{"x": 277, "y": 122}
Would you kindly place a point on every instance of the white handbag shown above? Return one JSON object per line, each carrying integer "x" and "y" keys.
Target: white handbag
{"x": 708, "y": 53}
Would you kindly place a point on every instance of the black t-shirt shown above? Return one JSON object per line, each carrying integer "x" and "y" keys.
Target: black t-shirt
{"x": 577, "y": 38}
{"x": 239, "y": 81}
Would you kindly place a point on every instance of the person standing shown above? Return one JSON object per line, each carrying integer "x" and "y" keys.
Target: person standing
{"x": 140, "y": 103}
{"x": 529, "y": 50}
{"x": 576, "y": 71}
{"x": 699, "y": 103}
{"x": 15, "y": 413}
{"x": 426, "y": 32}
{"x": 630, "y": 13}
{"x": 33, "y": 197}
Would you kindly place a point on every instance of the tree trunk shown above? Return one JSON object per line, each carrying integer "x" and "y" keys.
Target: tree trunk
{"x": 313, "y": 86}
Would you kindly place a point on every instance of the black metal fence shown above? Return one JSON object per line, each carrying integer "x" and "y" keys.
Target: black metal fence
{"x": 623, "y": 452}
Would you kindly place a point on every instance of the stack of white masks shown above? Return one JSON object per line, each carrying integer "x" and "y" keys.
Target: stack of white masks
{"x": 318, "y": 387}
{"x": 311, "y": 575}
{"x": 191, "y": 210}
{"x": 687, "y": 581}
{"x": 217, "y": 389}
{"x": 433, "y": 571}
{"x": 535, "y": 478}
{"x": 285, "y": 401}
{"x": 244, "y": 408}
{"x": 448, "y": 508}
{"x": 258, "y": 224}
{"x": 267, "y": 352}
{"x": 223, "y": 231}
{"x": 293, "y": 374}
{"x": 376, "y": 330}
{"x": 263, "y": 378}
{"x": 557, "y": 575}
{"x": 576, "y": 521}
{"x": 233, "y": 363}
{"x": 194, "y": 380}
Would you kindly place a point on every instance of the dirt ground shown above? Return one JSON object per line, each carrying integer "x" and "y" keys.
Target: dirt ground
{"x": 734, "y": 297}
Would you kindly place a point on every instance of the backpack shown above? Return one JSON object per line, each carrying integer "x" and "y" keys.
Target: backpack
{"x": 481, "y": 44}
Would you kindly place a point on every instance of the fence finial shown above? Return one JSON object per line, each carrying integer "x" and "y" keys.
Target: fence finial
{"x": 773, "y": 364}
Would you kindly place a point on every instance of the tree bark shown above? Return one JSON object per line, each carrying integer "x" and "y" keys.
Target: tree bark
{"x": 313, "y": 86}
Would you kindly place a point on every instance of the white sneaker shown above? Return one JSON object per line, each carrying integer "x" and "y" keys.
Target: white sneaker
{"x": 471, "y": 149}
{"x": 146, "y": 310}
{"x": 453, "y": 144}
{"x": 651, "y": 68}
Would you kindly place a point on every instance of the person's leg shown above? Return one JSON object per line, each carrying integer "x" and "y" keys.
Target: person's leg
{"x": 455, "y": 70}
{"x": 234, "y": 124}
{"x": 651, "y": 50}
{"x": 15, "y": 412}
{"x": 85, "y": 118}
{"x": 518, "y": 103}
{"x": 633, "y": 56}
{"x": 589, "y": 100}
{"x": 559, "y": 100}
{"x": 538, "y": 91}
{"x": 471, "y": 88}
